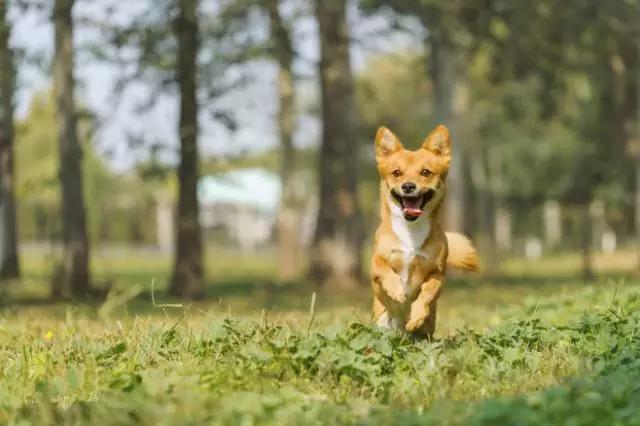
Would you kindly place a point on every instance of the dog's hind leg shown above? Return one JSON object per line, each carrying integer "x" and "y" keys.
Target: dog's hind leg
{"x": 383, "y": 319}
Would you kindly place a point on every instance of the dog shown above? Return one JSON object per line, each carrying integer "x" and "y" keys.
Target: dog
{"x": 411, "y": 251}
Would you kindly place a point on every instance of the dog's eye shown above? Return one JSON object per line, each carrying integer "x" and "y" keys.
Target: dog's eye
{"x": 425, "y": 173}
{"x": 396, "y": 173}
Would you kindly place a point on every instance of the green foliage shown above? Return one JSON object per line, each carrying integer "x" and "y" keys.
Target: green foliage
{"x": 226, "y": 371}
{"x": 394, "y": 91}
{"x": 527, "y": 158}
{"x": 36, "y": 153}
{"x": 549, "y": 98}
{"x": 145, "y": 47}
{"x": 37, "y": 185}
{"x": 114, "y": 202}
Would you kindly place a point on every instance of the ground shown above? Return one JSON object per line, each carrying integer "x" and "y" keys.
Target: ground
{"x": 534, "y": 346}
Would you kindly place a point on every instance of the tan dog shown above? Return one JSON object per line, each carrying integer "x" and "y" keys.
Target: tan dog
{"x": 411, "y": 251}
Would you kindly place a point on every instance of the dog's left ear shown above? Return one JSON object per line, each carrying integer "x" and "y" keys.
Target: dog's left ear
{"x": 386, "y": 143}
{"x": 439, "y": 142}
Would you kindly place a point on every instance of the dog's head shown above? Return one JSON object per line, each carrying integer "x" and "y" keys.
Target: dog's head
{"x": 414, "y": 180}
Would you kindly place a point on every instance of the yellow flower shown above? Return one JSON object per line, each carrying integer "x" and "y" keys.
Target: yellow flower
{"x": 48, "y": 335}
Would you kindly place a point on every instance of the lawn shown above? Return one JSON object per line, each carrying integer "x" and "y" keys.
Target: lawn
{"x": 524, "y": 348}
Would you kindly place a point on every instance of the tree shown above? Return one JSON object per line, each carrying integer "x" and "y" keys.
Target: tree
{"x": 446, "y": 25}
{"x": 288, "y": 216}
{"x": 393, "y": 89}
{"x": 446, "y": 78}
{"x": 159, "y": 47}
{"x": 337, "y": 246}
{"x": 187, "y": 281}
{"x": 37, "y": 183}
{"x": 579, "y": 66}
{"x": 74, "y": 221}
{"x": 9, "y": 264}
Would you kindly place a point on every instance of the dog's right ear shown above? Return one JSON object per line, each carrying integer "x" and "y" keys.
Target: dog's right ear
{"x": 386, "y": 143}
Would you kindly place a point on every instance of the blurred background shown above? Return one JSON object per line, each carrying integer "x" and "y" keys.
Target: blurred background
{"x": 214, "y": 149}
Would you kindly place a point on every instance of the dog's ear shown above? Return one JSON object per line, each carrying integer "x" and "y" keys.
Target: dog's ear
{"x": 386, "y": 143}
{"x": 439, "y": 142}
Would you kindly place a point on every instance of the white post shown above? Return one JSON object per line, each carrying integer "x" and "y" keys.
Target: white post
{"x": 552, "y": 223}
{"x": 165, "y": 225}
{"x": 503, "y": 229}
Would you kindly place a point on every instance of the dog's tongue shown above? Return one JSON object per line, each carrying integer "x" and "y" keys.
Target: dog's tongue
{"x": 411, "y": 206}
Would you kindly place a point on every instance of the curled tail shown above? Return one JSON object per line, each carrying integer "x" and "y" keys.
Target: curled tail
{"x": 462, "y": 253}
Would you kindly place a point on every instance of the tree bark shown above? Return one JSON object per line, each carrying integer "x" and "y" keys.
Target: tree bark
{"x": 9, "y": 264}
{"x": 484, "y": 211}
{"x": 187, "y": 280}
{"x": 74, "y": 222}
{"x": 337, "y": 247}
{"x": 635, "y": 80}
{"x": 637, "y": 210}
{"x": 444, "y": 78}
{"x": 288, "y": 223}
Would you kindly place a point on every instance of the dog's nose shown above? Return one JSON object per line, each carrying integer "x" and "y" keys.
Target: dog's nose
{"x": 408, "y": 187}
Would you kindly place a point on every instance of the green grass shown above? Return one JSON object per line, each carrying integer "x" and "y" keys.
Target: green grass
{"x": 528, "y": 350}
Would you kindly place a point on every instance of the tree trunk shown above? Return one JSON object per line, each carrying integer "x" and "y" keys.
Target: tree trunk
{"x": 586, "y": 241}
{"x": 9, "y": 265}
{"x": 288, "y": 226}
{"x": 637, "y": 210}
{"x": 187, "y": 281}
{"x": 444, "y": 77}
{"x": 74, "y": 226}
{"x": 484, "y": 212}
{"x": 502, "y": 229}
{"x": 337, "y": 246}
{"x": 552, "y": 223}
{"x": 636, "y": 106}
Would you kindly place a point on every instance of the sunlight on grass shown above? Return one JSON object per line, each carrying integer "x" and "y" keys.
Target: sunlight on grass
{"x": 270, "y": 353}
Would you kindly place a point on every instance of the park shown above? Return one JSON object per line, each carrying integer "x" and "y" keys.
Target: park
{"x": 190, "y": 191}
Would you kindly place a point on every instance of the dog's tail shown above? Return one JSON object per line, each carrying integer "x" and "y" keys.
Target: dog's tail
{"x": 462, "y": 253}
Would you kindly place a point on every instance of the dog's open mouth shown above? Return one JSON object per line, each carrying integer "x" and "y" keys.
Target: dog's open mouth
{"x": 412, "y": 207}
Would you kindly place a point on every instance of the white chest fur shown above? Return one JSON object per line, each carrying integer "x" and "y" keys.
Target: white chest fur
{"x": 411, "y": 236}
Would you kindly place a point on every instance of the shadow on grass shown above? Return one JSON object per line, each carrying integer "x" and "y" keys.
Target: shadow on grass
{"x": 251, "y": 293}
{"x": 512, "y": 280}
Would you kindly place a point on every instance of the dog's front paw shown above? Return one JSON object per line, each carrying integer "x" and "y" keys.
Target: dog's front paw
{"x": 413, "y": 325}
{"x": 397, "y": 294}
{"x": 416, "y": 320}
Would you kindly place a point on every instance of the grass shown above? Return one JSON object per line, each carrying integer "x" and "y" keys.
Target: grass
{"x": 530, "y": 349}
